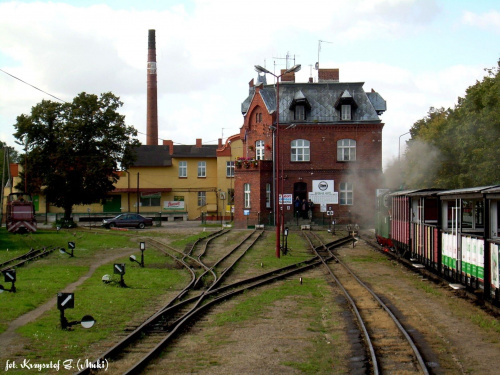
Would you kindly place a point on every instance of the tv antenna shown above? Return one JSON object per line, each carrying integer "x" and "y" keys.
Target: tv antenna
{"x": 319, "y": 49}
{"x": 286, "y": 58}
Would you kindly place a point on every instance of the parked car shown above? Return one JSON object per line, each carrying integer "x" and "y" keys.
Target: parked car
{"x": 128, "y": 220}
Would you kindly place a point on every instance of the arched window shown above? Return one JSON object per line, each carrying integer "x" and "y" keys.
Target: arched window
{"x": 259, "y": 150}
{"x": 346, "y": 150}
{"x": 300, "y": 150}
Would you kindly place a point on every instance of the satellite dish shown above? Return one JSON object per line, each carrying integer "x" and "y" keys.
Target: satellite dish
{"x": 87, "y": 321}
{"x": 132, "y": 258}
{"x": 106, "y": 278}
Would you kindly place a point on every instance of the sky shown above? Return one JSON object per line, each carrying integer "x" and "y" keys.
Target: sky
{"x": 416, "y": 54}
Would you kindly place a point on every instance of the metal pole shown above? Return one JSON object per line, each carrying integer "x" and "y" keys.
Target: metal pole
{"x": 399, "y": 152}
{"x": 3, "y": 184}
{"x": 277, "y": 166}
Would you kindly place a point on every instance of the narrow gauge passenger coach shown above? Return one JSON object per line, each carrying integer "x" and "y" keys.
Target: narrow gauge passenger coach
{"x": 454, "y": 233}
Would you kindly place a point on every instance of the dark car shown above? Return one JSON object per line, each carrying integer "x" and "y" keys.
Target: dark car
{"x": 128, "y": 220}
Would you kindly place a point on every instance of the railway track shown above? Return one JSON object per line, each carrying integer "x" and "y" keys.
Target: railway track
{"x": 389, "y": 346}
{"x": 135, "y": 352}
{"x": 30, "y": 256}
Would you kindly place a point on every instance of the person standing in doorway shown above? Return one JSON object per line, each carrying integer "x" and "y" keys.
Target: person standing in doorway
{"x": 310, "y": 206}
{"x": 296, "y": 205}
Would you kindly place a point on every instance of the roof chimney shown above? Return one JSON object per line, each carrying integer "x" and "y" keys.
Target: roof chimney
{"x": 328, "y": 75}
{"x": 170, "y": 145}
{"x": 287, "y": 77}
{"x": 152, "y": 105}
{"x": 198, "y": 142}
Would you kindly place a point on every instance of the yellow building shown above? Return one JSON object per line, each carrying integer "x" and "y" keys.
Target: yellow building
{"x": 171, "y": 182}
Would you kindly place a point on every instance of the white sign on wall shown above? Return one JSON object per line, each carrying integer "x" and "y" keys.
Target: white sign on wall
{"x": 287, "y": 199}
{"x": 323, "y": 194}
{"x": 323, "y": 186}
{"x": 173, "y": 205}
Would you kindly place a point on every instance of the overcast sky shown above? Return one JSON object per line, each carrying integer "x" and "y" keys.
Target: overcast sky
{"x": 416, "y": 53}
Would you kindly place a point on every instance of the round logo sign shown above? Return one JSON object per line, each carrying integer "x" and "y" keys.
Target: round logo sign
{"x": 323, "y": 185}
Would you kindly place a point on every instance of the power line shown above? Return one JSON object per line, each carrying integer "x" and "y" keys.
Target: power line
{"x": 29, "y": 84}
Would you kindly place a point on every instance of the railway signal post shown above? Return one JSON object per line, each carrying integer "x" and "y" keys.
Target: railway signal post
{"x": 9, "y": 277}
{"x": 67, "y": 301}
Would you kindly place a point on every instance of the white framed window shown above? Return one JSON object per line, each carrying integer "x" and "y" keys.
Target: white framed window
{"x": 259, "y": 150}
{"x": 246, "y": 194}
{"x": 346, "y": 193}
{"x": 229, "y": 168}
{"x": 300, "y": 150}
{"x": 300, "y": 112}
{"x": 346, "y": 150}
{"x": 183, "y": 169}
{"x": 202, "y": 169}
{"x": 268, "y": 195}
{"x": 202, "y": 198}
{"x": 346, "y": 112}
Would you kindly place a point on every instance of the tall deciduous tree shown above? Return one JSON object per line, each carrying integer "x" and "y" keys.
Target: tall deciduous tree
{"x": 464, "y": 140}
{"x": 74, "y": 150}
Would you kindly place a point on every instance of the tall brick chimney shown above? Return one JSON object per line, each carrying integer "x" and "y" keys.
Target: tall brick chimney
{"x": 152, "y": 95}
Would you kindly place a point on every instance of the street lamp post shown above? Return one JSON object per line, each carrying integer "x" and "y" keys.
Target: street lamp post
{"x": 293, "y": 69}
{"x": 25, "y": 144}
{"x": 399, "y": 152}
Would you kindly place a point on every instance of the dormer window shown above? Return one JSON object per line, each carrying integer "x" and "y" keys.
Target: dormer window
{"x": 300, "y": 106}
{"x": 300, "y": 112}
{"x": 346, "y": 105}
{"x": 346, "y": 112}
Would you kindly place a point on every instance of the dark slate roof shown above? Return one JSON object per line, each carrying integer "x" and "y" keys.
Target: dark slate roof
{"x": 322, "y": 97}
{"x": 159, "y": 156}
{"x": 191, "y": 151}
{"x": 153, "y": 156}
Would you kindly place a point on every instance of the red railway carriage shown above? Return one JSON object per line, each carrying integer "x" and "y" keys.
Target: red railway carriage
{"x": 20, "y": 213}
{"x": 454, "y": 233}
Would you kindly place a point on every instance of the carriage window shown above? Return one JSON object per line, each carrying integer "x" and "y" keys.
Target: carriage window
{"x": 472, "y": 214}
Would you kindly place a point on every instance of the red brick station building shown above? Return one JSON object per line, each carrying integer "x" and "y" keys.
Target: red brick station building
{"x": 330, "y": 150}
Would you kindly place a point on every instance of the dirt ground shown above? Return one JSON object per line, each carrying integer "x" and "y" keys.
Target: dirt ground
{"x": 455, "y": 335}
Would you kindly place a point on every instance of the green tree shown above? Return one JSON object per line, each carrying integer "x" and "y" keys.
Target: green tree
{"x": 74, "y": 150}
{"x": 462, "y": 143}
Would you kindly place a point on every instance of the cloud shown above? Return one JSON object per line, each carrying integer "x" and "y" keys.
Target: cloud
{"x": 206, "y": 51}
{"x": 488, "y": 21}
